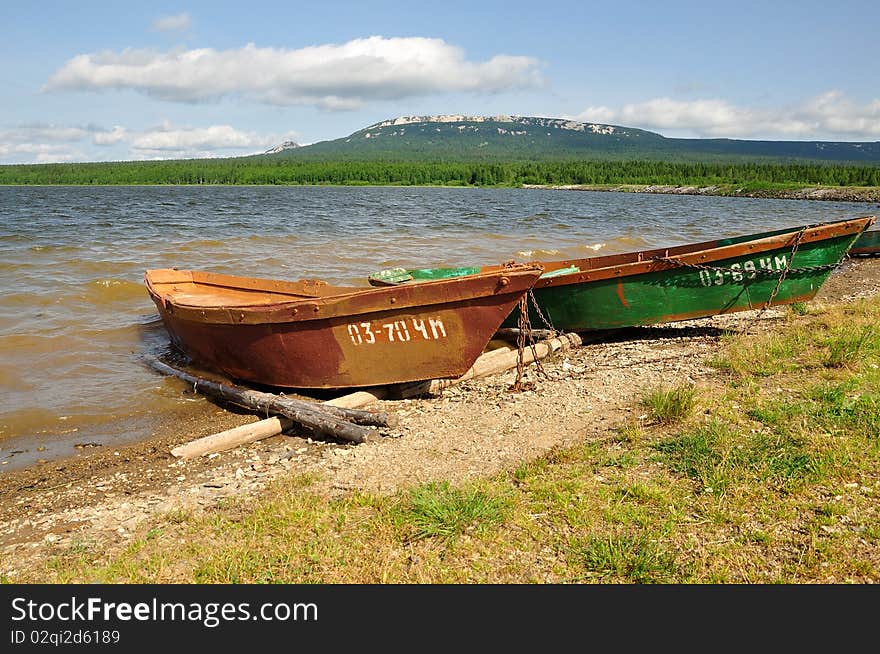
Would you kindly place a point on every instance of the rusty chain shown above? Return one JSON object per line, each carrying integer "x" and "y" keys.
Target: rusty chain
{"x": 524, "y": 330}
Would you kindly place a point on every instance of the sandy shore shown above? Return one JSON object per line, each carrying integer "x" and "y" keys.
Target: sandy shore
{"x": 477, "y": 428}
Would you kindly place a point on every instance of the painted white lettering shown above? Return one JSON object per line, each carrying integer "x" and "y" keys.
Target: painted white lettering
{"x": 735, "y": 273}
{"x": 705, "y": 278}
{"x": 369, "y": 336}
{"x": 419, "y": 326}
{"x": 402, "y": 330}
{"x": 355, "y": 334}
{"x": 389, "y": 327}
{"x": 437, "y": 328}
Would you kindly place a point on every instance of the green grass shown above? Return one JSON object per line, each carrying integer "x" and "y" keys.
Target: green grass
{"x": 436, "y": 510}
{"x": 670, "y": 405}
{"x": 628, "y": 558}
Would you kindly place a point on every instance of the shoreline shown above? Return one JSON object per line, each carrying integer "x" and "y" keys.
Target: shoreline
{"x": 826, "y": 193}
{"x": 866, "y": 194}
{"x": 462, "y": 433}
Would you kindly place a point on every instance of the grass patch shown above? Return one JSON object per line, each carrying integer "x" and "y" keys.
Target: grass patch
{"x": 438, "y": 510}
{"x": 628, "y": 559}
{"x": 670, "y": 405}
{"x": 850, "y": 345}
{"x": 799, "y": 308}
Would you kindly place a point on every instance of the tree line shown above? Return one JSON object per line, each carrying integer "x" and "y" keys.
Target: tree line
{"x": 264, "y": 170}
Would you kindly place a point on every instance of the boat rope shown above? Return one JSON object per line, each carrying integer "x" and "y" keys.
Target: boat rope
{"x": 524, "y": 332}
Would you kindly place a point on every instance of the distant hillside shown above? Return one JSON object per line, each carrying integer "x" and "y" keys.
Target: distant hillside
{"x": 521, "y": 138}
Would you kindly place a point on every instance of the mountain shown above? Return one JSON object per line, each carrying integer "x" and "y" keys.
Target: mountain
{"x": 283, "y": 147}
{"x": 457, "y": 137}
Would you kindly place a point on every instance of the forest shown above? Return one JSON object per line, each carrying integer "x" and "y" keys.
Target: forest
{"x": 265, "y": 170}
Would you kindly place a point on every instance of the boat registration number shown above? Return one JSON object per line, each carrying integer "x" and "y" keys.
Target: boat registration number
{"x": 399, "y": 331}
{"x": 737, "y": 272}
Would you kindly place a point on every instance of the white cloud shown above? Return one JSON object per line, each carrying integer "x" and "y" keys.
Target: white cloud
{"x": 43, "y": 132}
{"x": 828, "y": 116}
{"x": 53, "y": 143}
{"x": 170, "y": 143}
{"x": 213, "y": 137}
{"x": 334, "y": 76}
{"x": 111, "y": 137}
{"x": 175, "y": 23}
{"x": 27, "y": 152}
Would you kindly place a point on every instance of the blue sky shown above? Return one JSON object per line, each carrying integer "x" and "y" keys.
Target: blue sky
{"x": 99, "y": 81}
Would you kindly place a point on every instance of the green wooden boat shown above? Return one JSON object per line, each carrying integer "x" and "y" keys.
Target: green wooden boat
{"x": 677, "y": 283}
{"x": 868, "y": 244}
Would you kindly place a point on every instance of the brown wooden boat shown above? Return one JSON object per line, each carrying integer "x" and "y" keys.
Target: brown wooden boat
{"x": 309, "y": 334}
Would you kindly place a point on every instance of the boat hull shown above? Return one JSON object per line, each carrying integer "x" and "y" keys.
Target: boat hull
{"x": 679, "y": 283}
{"x": 868, "y": 244}
{"x": 401, "y": 334}
{"x": 722, "y": 277}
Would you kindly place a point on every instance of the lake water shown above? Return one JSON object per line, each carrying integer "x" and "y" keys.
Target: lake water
{"x": 75, "y": 317}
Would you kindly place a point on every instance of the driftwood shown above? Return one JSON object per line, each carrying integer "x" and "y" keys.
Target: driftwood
{"x": 318, "y": 417}
{"x": 512, "y": 333}
{"x": 231, "y": 438}
{"x": 491, "y": 362}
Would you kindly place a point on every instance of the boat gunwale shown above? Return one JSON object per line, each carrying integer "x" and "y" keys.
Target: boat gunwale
{"x": 621, "y": 265}
{"x": 355, "y": 301}
{"x": 649, "y": 261}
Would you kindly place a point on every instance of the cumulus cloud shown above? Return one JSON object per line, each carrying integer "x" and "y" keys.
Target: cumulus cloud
{"x": 334, "y": 76}
{"x": 55, "y": 144}
{"x": 109, "y": 137}
{"x": 830, "y": 115}
{"x": 175, "y": 23}
{"x": 27, "y": 152}
{"x": 189, "y": 141}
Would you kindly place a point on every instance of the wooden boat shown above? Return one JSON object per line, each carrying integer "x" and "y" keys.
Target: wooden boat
{"x": 309, "y": 334}
{"x": 868, "y": 244}
{"x": 676, "y": 283}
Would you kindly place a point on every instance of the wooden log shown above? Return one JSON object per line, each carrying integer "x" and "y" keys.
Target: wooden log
{"x": 512, "y": 333}
{"x": 358, "y": 417}
{"x": 313, "y": 416}
{"x": 498, "y": 360}
{"x": 489, "y": 363}
{"x": 226, "y": 440}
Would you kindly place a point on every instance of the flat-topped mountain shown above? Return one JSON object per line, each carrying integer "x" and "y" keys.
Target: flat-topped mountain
{"x": 459, "y": 137}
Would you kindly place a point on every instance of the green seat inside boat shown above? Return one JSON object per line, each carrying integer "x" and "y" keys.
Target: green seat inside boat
{"x": 402, "y": 275}
{"x": 392, "y": 276}
{"x": 560, "y": 271}
{"x": 427, "y": 274}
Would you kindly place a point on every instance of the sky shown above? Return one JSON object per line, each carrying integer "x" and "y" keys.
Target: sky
{"x": 88, "y": 80}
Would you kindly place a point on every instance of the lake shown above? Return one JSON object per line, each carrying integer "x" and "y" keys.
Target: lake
{"x": 76, "y": 320}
